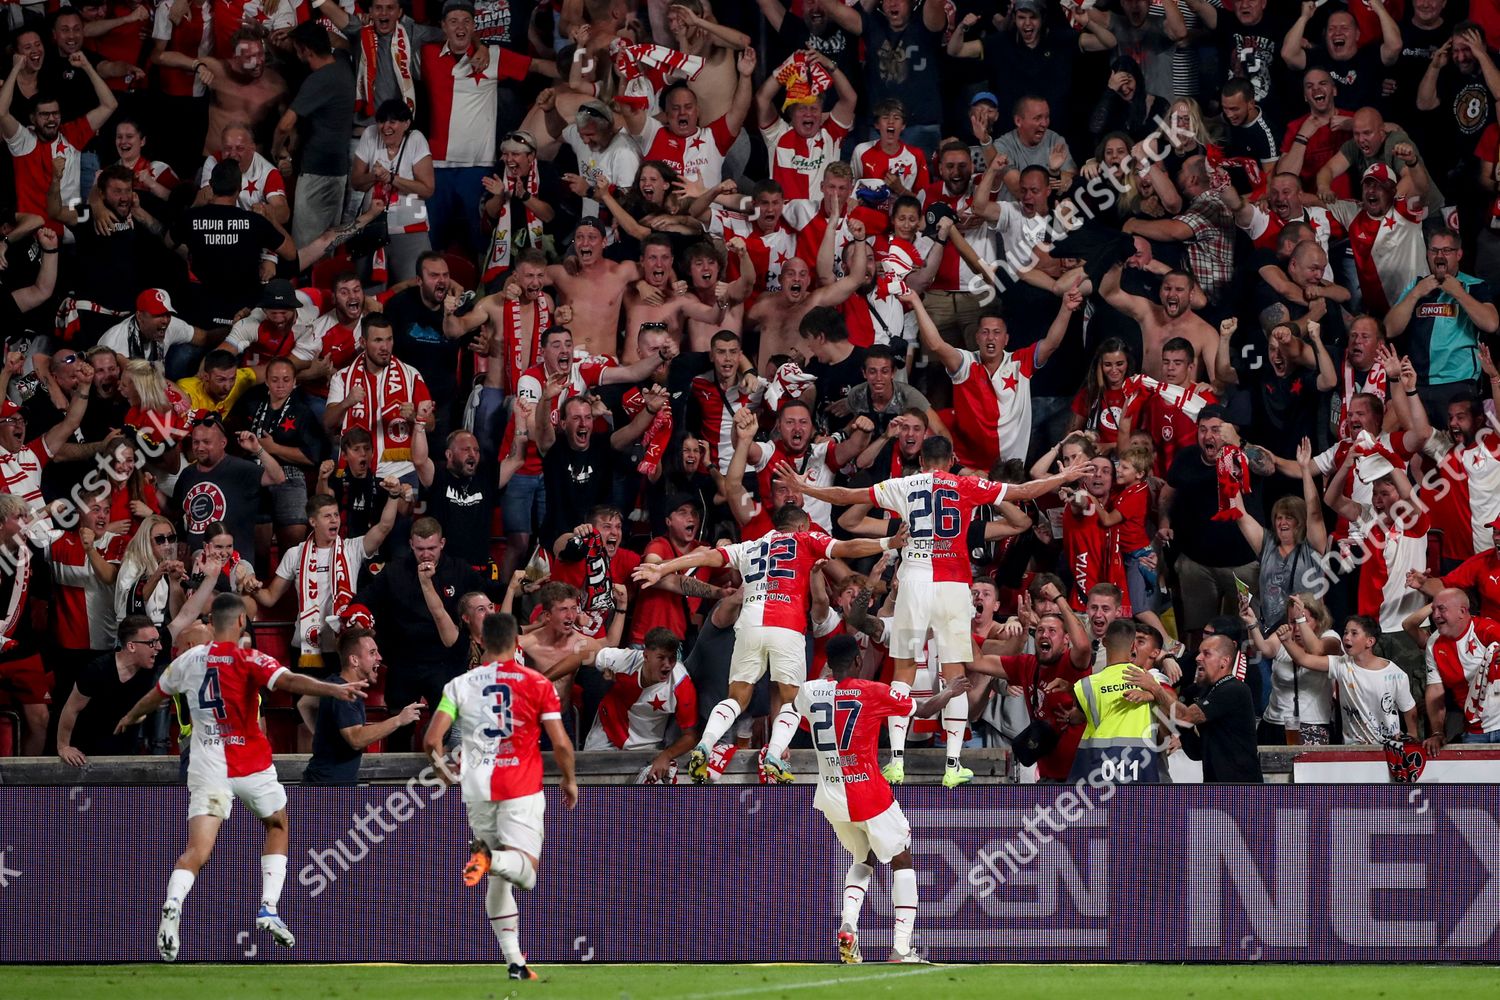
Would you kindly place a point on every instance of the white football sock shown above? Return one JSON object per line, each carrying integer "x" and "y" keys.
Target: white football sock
{"x": 783, "y": 729}
{"x": 179, "y": 885}
{"x": 719, "y": 721}
{"x": 272, "y": 875}
{"x": 515, "y": 868}
{"x": 505, "y": 919}
{"x": 897, "y": 726}
{"x": 904, "y": 902}
{"x": 955, "y": 718}
{"x": 856, "y": 883}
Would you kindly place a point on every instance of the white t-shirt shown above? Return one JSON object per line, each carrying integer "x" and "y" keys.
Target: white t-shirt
{"x": 1312, "y": 703}
{"x": 406, "y": 213}
{"x": 1371, "y": 700}
{"x": 122, "y": 338}
{"x": 615, "y": 164}
{"x": 290, "y": 568}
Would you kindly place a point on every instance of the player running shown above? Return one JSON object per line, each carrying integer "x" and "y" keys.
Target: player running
{"x": 844, "y": 713}
{"x": 772, "y": 627}
{"x": 500, "y": 709}
{"x": 934, "y": 575}
{"x": 230, "y": 758}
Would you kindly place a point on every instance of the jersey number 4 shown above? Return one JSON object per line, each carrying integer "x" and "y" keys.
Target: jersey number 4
{"x": 775, "y": 562}
{"x": 505, "y": 722}
{"x": 210, "y": 699}
{"x": 823, "y": 724}
{"x": 942, "y": 506}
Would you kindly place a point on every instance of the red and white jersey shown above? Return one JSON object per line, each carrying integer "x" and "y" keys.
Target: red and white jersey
{"x": 768, "y": 251}
{"x": 83, "y": 606}
{"x": 797, "y": 164}
{"x": 937, "y": 508}
{"x": 34, "y": 166}
{"x": 699, "y": 155}
{"x": 257, "y": 342}
{"x": 1091, "y": 551}
{"x": 1394, "y": 551}
{"x": 21, "y": 471}
{"x": 776, "y": 569}
{"x": 498, "y": 710}
{"x": 583, "y": 375}
{"x": 954, "y": 273}
{"x": 221, "y": 683}
{"x": 845, "y": 718}
{"x": 462, "y": 103}
{"x": 339, "y": 344}
{"x": 992, "y": 410}
{"x": 1266, "y": 226}
{"x": 1355, "y": 486}
{"x": 1469, "y": 668}
{"x": 192, "y": 36}
{"x": 908, "y": 163}
{"x": 1389, "y": 252}
{"x": 259, "y": 183}
{"x": 817, "y": 463}
{"x": 718, "y": 408}
{"x": 1480, "y": 573}
{"x": 635, "y": 718}
{"x": 1169, "y": 413}
{"x": 1481, "y": 465}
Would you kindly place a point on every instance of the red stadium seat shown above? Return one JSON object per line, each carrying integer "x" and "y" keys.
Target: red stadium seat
{"x": 325, "y": 270}
{"x": 1434, "y": 550}
{"x": 462, "y": 270}
{"x": 275, "y": 640}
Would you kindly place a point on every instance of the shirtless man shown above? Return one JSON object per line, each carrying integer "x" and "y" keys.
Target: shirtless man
{"x": 706, "y": 283}
{"x": 1172, "y": 317}
{"x": 555, "y": 647}
{"x": 659, "y": 299}
{"x": 242, "y": 87}
{"x": 695, "y": 32}
{"x": 595, "y": 289}
{"x": 778, "y": 315}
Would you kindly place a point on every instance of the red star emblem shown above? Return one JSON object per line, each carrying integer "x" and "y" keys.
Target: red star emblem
{"x": 262, "y": 17}
{"x": 249, "y": 187}
{"x": 1390, "y": 222}
{"x": 658, "y": 703}
{"x": 697, "y": 142}
{"x": 884, "y": 292}
{"x": 476, "y": 75}
{"x": 289, "y": 424}
{"x": 1297, "y": 388}
{"x": 1010, "y": 382}
{"x": 1473, "y": 646}
{"x": 781, "y": 258}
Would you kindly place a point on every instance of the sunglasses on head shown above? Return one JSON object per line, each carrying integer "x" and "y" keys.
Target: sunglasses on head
{"x": 521, "y": 139}
{"x": 164, "y": 539}
{"x": 70, "y": 359}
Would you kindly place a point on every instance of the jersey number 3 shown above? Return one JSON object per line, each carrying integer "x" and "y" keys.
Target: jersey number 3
{"x": 505, "y": 722}
{"x": 779, "y": 554}
{"x": 823, "y": 724}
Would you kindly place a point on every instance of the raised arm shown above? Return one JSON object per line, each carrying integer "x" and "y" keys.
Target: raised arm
{"x": 932, "y": 341}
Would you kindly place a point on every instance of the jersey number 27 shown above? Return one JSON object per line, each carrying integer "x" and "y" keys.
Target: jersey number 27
{"x": 823, "y": 724}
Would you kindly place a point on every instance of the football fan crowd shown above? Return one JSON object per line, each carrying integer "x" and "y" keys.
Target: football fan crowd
{"x": 385, "y": 317}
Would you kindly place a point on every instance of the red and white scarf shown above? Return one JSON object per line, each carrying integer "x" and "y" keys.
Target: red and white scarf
{"x": 644, "y": 69}
{"x": 805, "y": 80}
{"x": 1375, "y": 385}
{"x": 369, "y": 42}
{"x": 17, "y": 603}
{"x": 1233, "y": 470}
{"x": 1190, "y": 399}
{"x": 379, "y": 412}
{"x": 522, "y": 351}
{"x": 657, "y": 435}
{"x": 503, "y": 242}
{"x": 310, "y": 618}
{"x": 789, "y": 380}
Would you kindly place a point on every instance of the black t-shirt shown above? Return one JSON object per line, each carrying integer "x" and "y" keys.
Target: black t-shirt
{"x": 903, "y": 65}
{"x": 1203, "y": 540}
{"x": 503, "y": 22}
{"x": 229, "y": 492}
{"x": 69, "y": 85}
{"x": 334, "y": 761}
{"x": 837, "y": 44}
{"x": 409, "y": 639}
{"x": 1465, "y": 108}
{"x": 1360, "y": 80}
{"x": 1228, "y": 735}
{"x": 291, "y": 425}
{"x": 1417, "y": 47}
{"x": 22, "y": 634}
{"x": 421, "y": 344}
{"x": 576, "y": 481}
{"x": 224, "y": 245}
{"x": 109, "y": 699}
{"x": 1019, "y": 70}
{"x": 112, "y": 269}
{"x": 1257, "y": 140}
{"x": 463, "y": 505}
{"x": 1285, "y": 407}
{"x": 360, "y": 503}
{"x": 1252, "y": 52}
{"x": 835, "y": 380}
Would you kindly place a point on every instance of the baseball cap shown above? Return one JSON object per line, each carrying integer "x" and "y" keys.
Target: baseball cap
{"x": 449, "y": 6}
{"x": 9, "y": 409}
{"x": 985, "y": 95}
{"x": 154, "y": 302}
{"x": 677, "y": 501}
{"x": 1037, "y": 7}
{"x": 590, "y": 220}
{"x": 1381, "y": 173}
{"x": 279, "y": 294}
{"x": 936, "y": 213}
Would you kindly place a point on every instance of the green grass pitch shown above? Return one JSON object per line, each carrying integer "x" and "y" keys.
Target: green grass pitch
{"x": 710, "y": 982}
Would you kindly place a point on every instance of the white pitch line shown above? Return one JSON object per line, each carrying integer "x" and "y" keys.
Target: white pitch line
{"x": 788, "y": 987}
